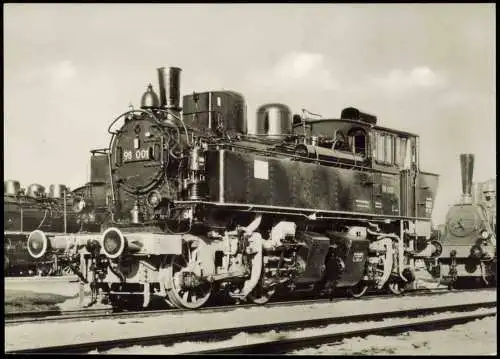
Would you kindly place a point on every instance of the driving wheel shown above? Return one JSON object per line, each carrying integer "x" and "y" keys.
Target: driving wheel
{"x": 183, "y": 296}
{"x": 358, "y": 290}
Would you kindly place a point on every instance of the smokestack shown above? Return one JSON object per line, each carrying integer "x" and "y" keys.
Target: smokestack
{"x": 467, "y": 166}
{"x": 170, "y": 87}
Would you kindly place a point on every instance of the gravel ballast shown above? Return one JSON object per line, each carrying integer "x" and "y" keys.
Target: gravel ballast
{"x": 35, "y": 335}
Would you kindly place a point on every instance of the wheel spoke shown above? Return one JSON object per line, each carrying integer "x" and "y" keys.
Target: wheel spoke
{"x": 188, "y": 252}
{"x": 194, "y": 297}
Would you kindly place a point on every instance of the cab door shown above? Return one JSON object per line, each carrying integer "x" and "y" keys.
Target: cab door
{"x": 386, "y": 182}
{"x": 408, "y": 177}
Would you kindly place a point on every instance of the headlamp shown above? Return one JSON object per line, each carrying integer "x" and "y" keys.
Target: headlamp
{"x": 154, "y": 199}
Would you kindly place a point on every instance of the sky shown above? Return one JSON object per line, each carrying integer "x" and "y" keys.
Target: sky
{"x": 70, "y": 69}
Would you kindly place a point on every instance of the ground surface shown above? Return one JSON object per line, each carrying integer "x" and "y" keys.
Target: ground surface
{"x": 474, "y": 338}
{"x": 39, "y": 293}
{"x": 24, "y": 300}
{"x": 31, "y": 335}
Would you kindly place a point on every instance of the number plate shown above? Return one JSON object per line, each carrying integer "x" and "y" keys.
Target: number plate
{"x": 136, "y": 155}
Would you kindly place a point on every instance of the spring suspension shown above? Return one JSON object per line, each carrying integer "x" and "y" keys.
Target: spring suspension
{"x": 196, "y": 167}
{"x": 195, "y": 191}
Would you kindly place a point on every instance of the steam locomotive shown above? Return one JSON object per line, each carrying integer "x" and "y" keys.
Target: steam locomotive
{"x": 469, "y": 239}
{"x": 57, "y": 210}
{"x": 25, "y": 211}
{"x": 198, "y": 207}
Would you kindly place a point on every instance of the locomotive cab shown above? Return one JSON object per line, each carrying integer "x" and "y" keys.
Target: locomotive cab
{"x": 356, "y": 136}
{"x": 334, "y": 139}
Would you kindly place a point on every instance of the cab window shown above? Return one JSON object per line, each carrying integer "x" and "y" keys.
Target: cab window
{"x": 357, "y": 141}
{"x": 385, "y": 148}
{"x": 394, "y": 150}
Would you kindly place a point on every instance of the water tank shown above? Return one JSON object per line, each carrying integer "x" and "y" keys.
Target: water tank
{"x": 35, "y": 190}
{"x": 274, "y": 120}
{"x": 11, "y": 188}
{"x": 215, "y": 111}
{"x": 57, "y": 190}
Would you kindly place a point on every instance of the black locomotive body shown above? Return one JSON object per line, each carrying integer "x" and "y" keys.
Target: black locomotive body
{"x": 197, "y": 206}
{"x": 56, "y": 211}
{"x": 469, "y": 239}
{"x": 25, "y": 211}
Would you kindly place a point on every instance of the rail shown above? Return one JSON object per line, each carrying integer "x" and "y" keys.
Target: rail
{"x": 407, "y": 319}
{"x": 109, "y": 313}
{"x": 285, "y": 345}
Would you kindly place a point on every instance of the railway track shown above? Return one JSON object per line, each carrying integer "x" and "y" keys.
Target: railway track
{"x": 284, "y": 335}
{"x": 108, "y": 313}
{"x": 37, "y": 279}
{"x": 51, "y": 315}
{"x": 283, "y": 345}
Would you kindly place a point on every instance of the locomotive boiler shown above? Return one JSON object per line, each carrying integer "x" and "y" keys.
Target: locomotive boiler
{"x": 199, "y": 207}
{"x": 469, "y": 238}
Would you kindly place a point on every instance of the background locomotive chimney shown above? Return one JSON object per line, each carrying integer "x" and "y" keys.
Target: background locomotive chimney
{"x": 169, "y": 80}
{"x": 467, "y": 167}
